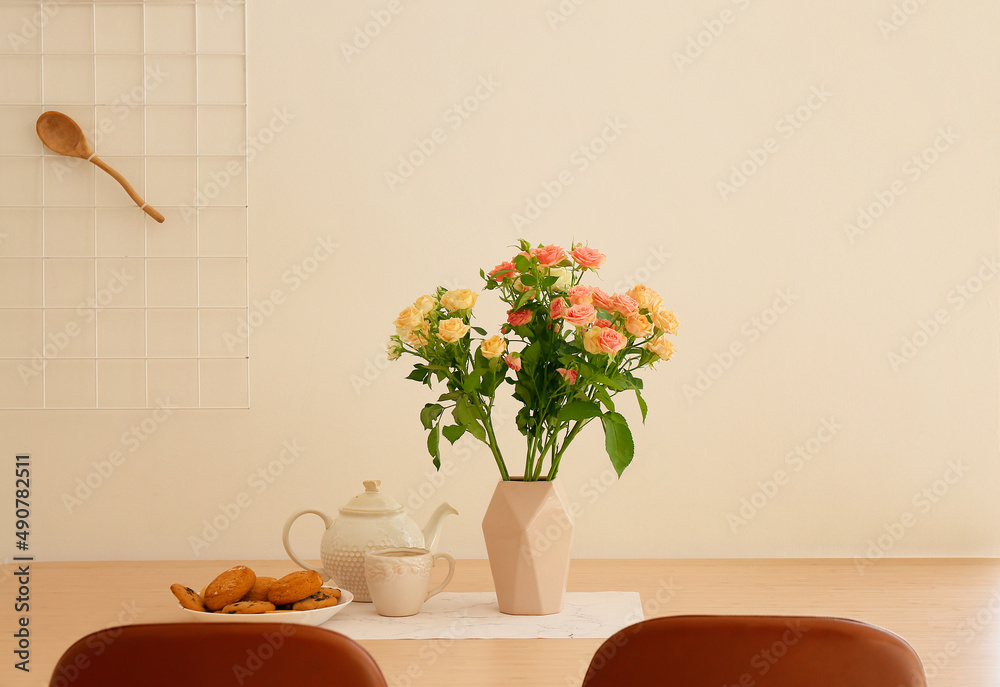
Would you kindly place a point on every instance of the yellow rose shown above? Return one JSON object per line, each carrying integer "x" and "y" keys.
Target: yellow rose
{"x": 590, "y": 340}
{"x": 493, "y": 347}
{"x": 452, "y": 329}
{"x": 645, "y": 297}
{"x": 459, "y": 299}
{"x": 638, "y": 325}
{"x": 415, "y": 340}
{"x": 666, "y": 321}
{"x": 410, "y": 318}
{"x": 425, "y": 304}
{"x": 661, "y": 347}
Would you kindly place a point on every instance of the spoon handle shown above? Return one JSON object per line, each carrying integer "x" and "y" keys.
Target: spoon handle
{"x": 148, "y": 209}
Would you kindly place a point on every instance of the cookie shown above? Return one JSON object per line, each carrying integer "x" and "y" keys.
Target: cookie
{"x": 189, "y": 599}
{"x": 248, "y": 607}
{"x": 324, "y": 598}
{"x": 259, "y": 590}
{"x": 229, "y": 587}
{"x": 294, "y": 587}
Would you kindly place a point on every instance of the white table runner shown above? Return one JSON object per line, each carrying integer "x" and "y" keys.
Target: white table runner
{"x": 464, "y": 615}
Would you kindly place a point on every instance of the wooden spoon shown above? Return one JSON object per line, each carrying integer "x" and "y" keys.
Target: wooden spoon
{"x": 63, "y": 135}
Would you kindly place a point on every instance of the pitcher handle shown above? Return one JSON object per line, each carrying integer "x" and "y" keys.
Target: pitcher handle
{"x": 327, "y": 520}
{"x": 451, "y": 573}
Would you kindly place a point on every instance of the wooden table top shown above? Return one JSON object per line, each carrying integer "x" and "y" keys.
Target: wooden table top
{"x": 946, "y": 608}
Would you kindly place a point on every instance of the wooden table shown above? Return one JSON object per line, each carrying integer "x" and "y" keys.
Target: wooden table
{"x": 948, "y": 609}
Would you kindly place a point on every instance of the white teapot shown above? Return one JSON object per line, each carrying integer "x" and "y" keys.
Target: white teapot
{"x": 371, "y": 520}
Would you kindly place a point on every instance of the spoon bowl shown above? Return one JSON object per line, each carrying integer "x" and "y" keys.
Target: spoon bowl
{"x": 61, "y": 134}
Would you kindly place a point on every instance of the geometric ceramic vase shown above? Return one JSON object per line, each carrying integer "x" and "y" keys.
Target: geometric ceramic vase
{"x": 529, "y": 532}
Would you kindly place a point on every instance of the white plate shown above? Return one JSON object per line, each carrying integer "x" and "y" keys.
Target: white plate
{"x": 316, "y": 617}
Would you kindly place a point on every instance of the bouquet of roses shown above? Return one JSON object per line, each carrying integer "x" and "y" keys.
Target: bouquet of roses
{"x": 566, "y": 349}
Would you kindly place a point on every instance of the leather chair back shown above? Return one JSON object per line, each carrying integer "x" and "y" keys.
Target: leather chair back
{"x": 216, "y": 654}
{"x": 754, "y": 651}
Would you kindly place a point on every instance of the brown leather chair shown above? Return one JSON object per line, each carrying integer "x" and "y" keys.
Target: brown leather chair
{"x": 195, "y": 654}
{"x": 754, "y": 651}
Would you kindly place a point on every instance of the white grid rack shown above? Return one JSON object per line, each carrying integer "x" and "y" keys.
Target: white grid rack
{"x": 100, "y": 306}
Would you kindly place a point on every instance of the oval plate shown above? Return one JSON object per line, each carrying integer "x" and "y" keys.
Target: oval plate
{"x": 316, "y": 617}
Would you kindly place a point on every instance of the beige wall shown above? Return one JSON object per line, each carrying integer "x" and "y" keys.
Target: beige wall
{"x": 767, "y": 269}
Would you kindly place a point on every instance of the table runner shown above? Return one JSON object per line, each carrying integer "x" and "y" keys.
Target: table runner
{"x": 475, "y": 615}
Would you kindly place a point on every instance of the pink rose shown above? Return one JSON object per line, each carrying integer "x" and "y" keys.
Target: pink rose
{"x": 558, "y": 308}
{"x": 581, "y": 315}
{"x": 588, "y": 258}
{"x": 624, "y": 304}
{"x": 569, "y": 375}
{"x": 518, "y": 317}
{"x": 580, "y": 294}
{"x": 505, "y": 270}
{"x": 549, "y": 255}
{"x": 601, "y": 299}
{"x": 513, "y": 362}
{"x": 602, "y": 323}
{"x": 610, "y": 340}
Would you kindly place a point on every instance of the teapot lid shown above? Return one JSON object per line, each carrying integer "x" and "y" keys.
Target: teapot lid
{"x": 371, "y": 500}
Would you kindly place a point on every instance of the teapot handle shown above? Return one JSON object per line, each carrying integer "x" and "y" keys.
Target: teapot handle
{"x": 327, "y": 520}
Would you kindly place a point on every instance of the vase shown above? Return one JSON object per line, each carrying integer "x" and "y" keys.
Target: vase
{"x": 528, "y": 529}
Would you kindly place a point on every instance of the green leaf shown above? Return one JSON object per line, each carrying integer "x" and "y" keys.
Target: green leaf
{"x": 547, "y": 282}
{"x": 618, "y": 441}
{"x": 453, "y": 432}
{"x": 472, "y": 381}
{"x": 429, "y": 414}
{"x": 579, "y": 410}
{"x": 522, "y": 263}
{"x": 604, "y": 397}
{"x": 642, "y": 404}
{"x": 450, "y": 396}
{"x": 479, "y": 330}
{"x": 434, "y": 445}
{"x": 528, "y": 280}
{"x": 476, "y": 430}
{"x": 419, "y": 374}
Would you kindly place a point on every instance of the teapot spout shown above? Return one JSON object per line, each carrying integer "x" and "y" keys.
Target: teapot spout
{"x": 433, "y": 527}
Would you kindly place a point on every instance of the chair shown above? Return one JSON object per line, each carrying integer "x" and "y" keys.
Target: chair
{"x": 195, "y": 654}
{"x": 754, "y": 651}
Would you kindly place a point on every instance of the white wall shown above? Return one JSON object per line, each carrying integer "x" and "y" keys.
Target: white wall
{"x": 651, "y": 201}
